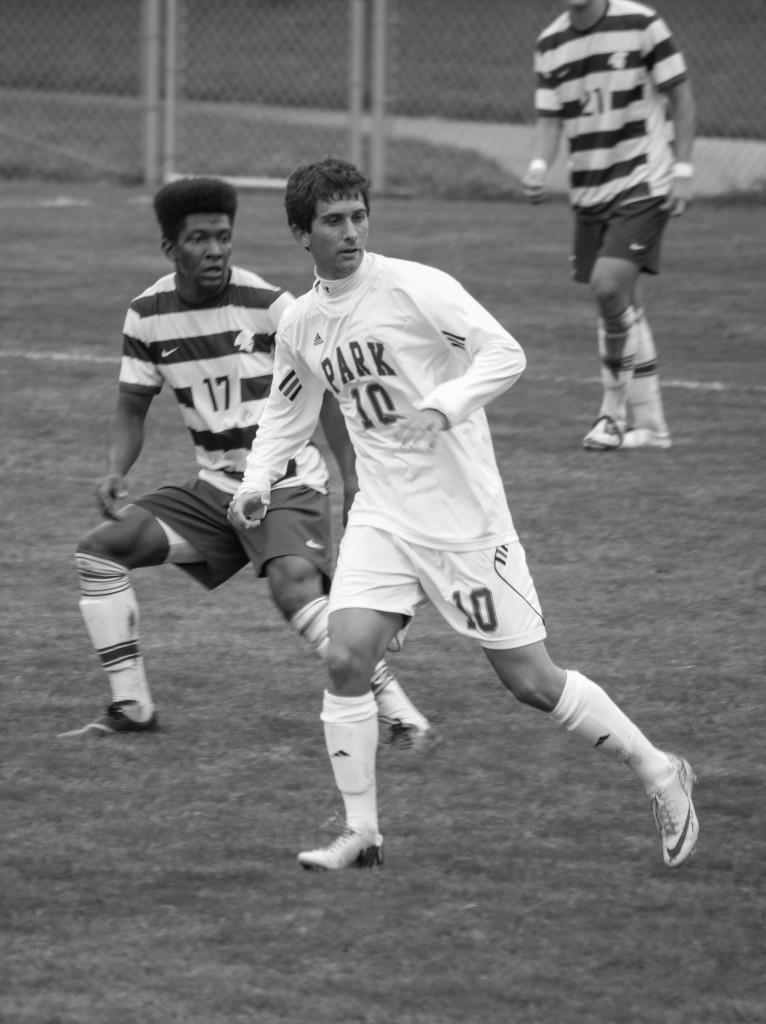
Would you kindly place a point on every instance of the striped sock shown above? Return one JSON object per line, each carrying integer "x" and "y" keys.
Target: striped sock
{"x": 617, "y": 344}
{"x": 110, "y": 611}
{"x": 644, "y": 398}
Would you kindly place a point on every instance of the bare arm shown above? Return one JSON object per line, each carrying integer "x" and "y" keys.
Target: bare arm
{"x": 125, "y": 439}
{"x": 544, "y": 149}
{"x": 683, "y": 114}
{"x": 336, "y": 435}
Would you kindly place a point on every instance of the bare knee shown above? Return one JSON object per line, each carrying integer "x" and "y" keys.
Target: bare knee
{"x": 294, "y": 583}
{"x": 609, "y": 298}
{"x": 136, "y": 539}
{"x": 100, "y": 541}
{"x": 350, "y": 668}
{"x": 612, "y": 284}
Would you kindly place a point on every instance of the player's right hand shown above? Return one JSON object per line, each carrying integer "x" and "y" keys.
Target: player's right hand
{"x": 248, "y": 508}
{"x": 108, "y": 490}
{"x": 533, "y": 182}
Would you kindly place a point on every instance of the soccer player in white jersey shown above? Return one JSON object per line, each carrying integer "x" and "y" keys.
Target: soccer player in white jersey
{"x": 207, "y": 331}
{"x": 412, "y": 359}
{"x": 607, "y": 73}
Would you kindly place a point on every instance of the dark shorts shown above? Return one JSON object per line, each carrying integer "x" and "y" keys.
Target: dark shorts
{"x": 620, "y": 230}
{"x": 297, "y": 523}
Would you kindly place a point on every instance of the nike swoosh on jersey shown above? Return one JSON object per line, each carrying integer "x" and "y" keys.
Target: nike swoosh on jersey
{"x": 315, "y": 544}
{"x": 168, "y": 352}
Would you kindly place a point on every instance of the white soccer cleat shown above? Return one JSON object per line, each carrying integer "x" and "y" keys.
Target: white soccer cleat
{"x": 354, "y": 848}
{"x": 643, "y": 437}
{"x": 604, "y": 436}
{"x": 674, "y": 813}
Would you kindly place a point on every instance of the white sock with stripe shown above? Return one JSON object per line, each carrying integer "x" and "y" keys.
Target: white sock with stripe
{"x": 617, "y": 344}
{"x": 644, "y": 398}
{"x": 110, "y": 611}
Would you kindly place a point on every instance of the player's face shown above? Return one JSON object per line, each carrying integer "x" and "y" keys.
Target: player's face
{"x": 338, "y": 236}
{"x": 201, "y": 255}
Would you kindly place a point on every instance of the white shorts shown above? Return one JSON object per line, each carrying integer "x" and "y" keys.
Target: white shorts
{"x": 485, "y": 595}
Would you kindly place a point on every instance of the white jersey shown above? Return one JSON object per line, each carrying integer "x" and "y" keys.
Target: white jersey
{"x": 394, "y": 337}
{"x": 218, "y": 358}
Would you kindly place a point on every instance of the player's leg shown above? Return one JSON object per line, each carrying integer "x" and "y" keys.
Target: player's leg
{"x": 590, "y": 230}
{"x": 612, "y": 282}
{"x": 184, "y": 525}
{"x": 580, "y": 706}
{"x": 647, "y": 426}
{"x": 292, "y": 548}
{"x": 402, "y": 723}
{"x": 492, "y": 598}
{"x": 583, "y": 708}
{"x": 630, "y": 245}
{"x": 372, "y": 596}
{"x": 350, "y": 722}
{"x": 108, "y": 604}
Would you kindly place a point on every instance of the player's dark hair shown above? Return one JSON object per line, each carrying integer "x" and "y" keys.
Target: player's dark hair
{"x": 176, "y": 200}
{"x": 324, "y": 181}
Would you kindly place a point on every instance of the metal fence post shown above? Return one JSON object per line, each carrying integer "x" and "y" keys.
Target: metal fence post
{"x": 379, "y": 127}
{"x": 150, "y": 78}
{"x": 356, "y": 80}
{"x": 170, "y": 120}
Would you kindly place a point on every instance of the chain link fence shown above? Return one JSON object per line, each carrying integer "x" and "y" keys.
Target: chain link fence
{"x": 430, "y": 96}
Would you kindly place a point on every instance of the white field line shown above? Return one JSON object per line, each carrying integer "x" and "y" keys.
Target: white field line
{"x": 687, "y": 385}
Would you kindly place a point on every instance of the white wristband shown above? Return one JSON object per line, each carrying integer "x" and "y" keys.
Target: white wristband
{"x": 538, "y": 166}
{"x": 682, "y": 169}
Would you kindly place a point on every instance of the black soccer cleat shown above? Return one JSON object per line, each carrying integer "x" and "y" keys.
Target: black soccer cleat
{"x": 116, "y": 718}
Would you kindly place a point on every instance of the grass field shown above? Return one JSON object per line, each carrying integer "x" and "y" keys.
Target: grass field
{"x": 149, "y": 880}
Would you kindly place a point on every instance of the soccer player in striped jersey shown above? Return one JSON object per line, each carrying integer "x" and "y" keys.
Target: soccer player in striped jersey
{"x": 608, "y": 72}
{"x": 207, "y": 331}
{"x": 412, "y": 359}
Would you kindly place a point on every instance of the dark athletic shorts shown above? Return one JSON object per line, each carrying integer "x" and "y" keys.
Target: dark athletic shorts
{"x": 623, "y": 231}
{"x": 297, "y": 523}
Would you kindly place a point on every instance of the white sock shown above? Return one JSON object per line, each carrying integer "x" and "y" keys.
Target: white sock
{"x": 617, "y": 343}
{"x": 587, "y": 711}
{"x": 311, "y": 622}
{"x": 110, "y": 611}
{"x": 644, "y": 398}
{"x": 351, "y": 737}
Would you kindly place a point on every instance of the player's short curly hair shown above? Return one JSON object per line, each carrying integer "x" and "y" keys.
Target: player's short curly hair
{"x": 331, "y": 178}
{"x": 176, "y": 200}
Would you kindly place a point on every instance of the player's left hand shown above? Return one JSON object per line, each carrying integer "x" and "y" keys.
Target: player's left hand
{"x": 679, "y": 196}
{"x": 418, "y": 430}
{"x": 248, "y": 508}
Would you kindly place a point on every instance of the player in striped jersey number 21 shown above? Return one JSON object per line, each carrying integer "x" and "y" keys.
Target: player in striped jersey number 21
{"x": 207, "y": 331}
{"x": 607, "y": 73}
